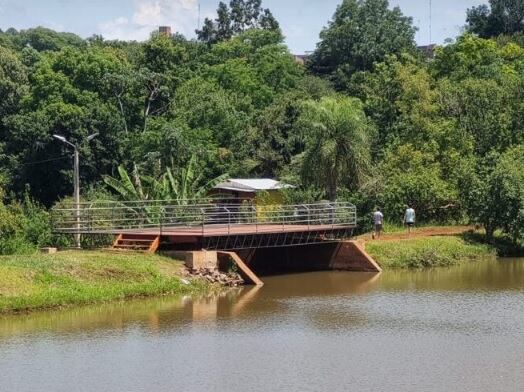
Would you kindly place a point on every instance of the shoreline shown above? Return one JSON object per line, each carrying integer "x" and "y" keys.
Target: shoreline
{"x": 39, "y": 282}
{"x": 421, "y": 252}
{"x": 71, "y": 278}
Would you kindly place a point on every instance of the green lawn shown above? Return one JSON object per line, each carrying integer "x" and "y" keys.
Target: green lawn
{"x": 80, "y": 277}
{"x": 426, "y": 252}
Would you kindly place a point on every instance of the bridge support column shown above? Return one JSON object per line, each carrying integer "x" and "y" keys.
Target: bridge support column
{"x": 246, "y": 272}
{"x": 196, "y": 259}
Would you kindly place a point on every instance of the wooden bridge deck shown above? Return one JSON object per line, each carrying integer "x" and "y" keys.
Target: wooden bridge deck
{"x": 222, "y": 230}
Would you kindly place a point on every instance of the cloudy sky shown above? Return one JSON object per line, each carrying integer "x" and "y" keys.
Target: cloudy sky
{"x": 301, "y": 20}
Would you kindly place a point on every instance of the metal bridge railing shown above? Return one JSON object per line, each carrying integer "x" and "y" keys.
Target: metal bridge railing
{"x": 110, "y": 217}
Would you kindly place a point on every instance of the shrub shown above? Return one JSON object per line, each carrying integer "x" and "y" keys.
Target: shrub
{"x": 23, "y": 227}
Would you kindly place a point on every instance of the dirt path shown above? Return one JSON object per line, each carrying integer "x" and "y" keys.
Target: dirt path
{"x": 420, "y": 232}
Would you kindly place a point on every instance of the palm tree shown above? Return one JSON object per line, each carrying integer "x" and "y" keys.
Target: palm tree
{"x": 338, "y": 140}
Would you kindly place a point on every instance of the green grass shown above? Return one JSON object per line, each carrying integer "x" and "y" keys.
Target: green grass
{"x": 29, "y": 282}
{"x": 427, "y": 252}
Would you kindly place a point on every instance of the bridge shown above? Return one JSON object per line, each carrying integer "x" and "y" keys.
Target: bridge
{"x": 214, "y": 234}
{"x": 210, "y": 226}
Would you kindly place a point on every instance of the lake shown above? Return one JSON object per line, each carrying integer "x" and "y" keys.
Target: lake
{"x": 452, "y": 329}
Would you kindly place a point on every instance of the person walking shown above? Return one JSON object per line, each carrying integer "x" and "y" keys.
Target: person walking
{"x": 409, "y": 218}
{"x": 378, "y": 222}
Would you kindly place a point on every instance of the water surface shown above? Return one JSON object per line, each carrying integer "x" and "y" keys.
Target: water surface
{"x": 456, "y": 329}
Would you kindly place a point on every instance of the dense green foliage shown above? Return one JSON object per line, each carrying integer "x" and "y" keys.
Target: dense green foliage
{"x": 495, "y": 193}
{"x": 501, "y": 17}
{"x": 23, "y": 226}
{"x": 238, "y": 17}
{"x": 361, "y": 34}
{"x": 369, "y": 119}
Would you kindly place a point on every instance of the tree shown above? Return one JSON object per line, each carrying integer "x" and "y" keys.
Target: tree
{"x": 13, "y": 86}
{"x": 501, "y": 17}
{"x": 206, "y": 106}
{"x": 476, "y": 57}
{"x": 480, "y": 88}
{"x": 485, "y": 111}
{"x": 43, "y": 39}
{"x": 275, "y": 140}
{"x": 494, "y": 193}
{"x": 411, "y": 176}
{"x": 240, "y": 16}
{"x": 361, "y": 33}
{"x": 13, "y": 81}
{"x": 64, "y": 98}
{"x": 337, "y": 138}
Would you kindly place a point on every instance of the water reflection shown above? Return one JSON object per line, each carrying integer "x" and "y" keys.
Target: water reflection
{"x": 164, "y": 313}
{"x": 281, "y": 294}
{"x": 448, "y": 329}
{"x": 503, "y": 274}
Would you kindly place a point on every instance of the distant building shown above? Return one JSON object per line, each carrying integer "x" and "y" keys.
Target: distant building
{"x": 249, "y": 189}
{"x": 428, "y": 50}
{"x": 165, "y": 30}
{"x": 301, "y": 58}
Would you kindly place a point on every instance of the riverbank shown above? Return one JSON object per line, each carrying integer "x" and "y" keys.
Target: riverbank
{"x": 427, "y": 251}
{"x": 39, "y": 281}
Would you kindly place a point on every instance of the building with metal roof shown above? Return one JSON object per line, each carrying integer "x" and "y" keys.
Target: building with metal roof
{"x": 248, "y": 189}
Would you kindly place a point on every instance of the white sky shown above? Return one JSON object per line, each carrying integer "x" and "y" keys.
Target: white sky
{"x": 301, "y": 20}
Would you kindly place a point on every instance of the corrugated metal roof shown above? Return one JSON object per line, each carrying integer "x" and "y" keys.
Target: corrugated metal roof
{"x": 252, "y": 185}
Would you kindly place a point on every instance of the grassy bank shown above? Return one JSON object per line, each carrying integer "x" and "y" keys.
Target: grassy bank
{"x": 427, "y": 252}
{"x": 505, "y": 246}
{"x": 39, "y": 281}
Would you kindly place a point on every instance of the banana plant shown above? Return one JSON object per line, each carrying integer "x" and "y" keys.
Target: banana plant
{"x": 167, "y": 189}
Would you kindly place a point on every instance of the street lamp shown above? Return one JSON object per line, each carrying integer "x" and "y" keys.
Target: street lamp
{"x": 76, "y": 176}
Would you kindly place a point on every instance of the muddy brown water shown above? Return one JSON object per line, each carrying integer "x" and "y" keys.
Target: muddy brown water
{"x": 456, "y": 329}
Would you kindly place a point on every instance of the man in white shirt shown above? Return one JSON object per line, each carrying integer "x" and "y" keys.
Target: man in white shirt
{"x": 409, "y": 218}
{"x": 378, "y": 222}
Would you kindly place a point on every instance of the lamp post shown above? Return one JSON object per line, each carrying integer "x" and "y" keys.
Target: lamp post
{"x": 76, "y": 177}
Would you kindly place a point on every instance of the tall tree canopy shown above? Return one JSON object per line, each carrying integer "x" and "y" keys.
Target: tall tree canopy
{"x": 361, "y": 33}
{"x": 42, "y": 39}
{"x": 442, "y": 134}
{"x": 238, "y": 17}
{"x": 501, "y": 17}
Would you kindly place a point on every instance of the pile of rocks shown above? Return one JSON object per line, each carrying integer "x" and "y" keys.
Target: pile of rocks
{"x": 231, "y": 279}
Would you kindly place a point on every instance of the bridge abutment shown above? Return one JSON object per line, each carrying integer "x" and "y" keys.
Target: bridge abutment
{"x": 252, "y": 263}
{"x": 341, "y": 256}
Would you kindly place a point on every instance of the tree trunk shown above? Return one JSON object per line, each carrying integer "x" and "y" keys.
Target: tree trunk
{"x": 122, "y": 112}
{"x": 332, "y": 187}
{"x": 490, "y": 231}
{"x": 146, "y": 113}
